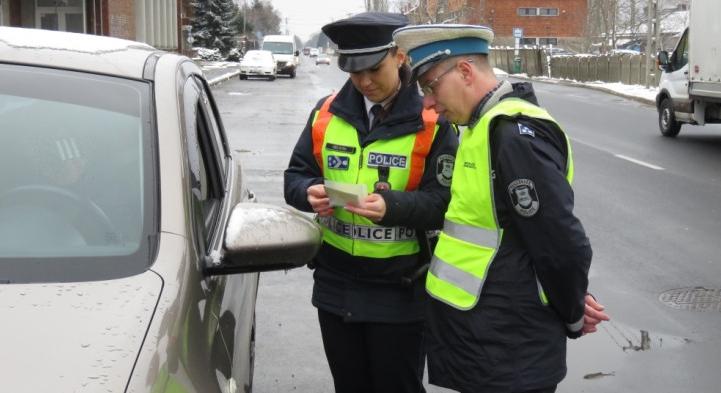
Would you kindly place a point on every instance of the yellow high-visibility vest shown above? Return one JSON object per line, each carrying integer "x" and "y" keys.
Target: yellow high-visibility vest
{"x": 471, "y": 235}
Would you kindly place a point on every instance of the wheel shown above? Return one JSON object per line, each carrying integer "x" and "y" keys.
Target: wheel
{"x": 667, "y": 120}
{"x": 243, "y": 77}
{"x": 271, "y": 78}
{"x": 292, "y": 74}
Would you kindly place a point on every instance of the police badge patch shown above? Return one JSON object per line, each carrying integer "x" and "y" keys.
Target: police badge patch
{"x": 444, "y": 169}
{"x": 524, "y": 197}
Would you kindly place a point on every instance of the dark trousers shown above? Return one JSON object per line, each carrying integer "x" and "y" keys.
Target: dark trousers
{"x": 367, "y": 357}
{"x": 552, "y": 389}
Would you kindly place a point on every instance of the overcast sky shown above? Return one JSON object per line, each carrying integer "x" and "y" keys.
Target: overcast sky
{"x": 307, "y": 16}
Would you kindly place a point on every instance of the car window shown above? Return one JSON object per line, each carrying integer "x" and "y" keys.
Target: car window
{"x": 680, "y": 55}
{"x": 78, "y": 177}
{"x": 203, "y": 161}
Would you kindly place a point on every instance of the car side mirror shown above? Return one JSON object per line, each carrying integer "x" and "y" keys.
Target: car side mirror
{"x": 662, "y": 60}
{"x": 297, "y": 53}
{"x": 260, "y": 237}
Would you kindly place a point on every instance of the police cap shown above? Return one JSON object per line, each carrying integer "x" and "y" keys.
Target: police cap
{"x": 364, "y": 39}
{"x": 426, "y": 45}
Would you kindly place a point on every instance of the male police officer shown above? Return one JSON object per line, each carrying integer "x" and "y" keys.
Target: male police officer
{"x": 509, "y": 274}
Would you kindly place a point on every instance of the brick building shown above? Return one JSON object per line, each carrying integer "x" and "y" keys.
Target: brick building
{"x": 156, "y": 22}
{"x": 544, "y": 22}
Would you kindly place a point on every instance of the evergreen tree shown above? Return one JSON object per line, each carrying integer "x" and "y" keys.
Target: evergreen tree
{"x": 213, "y": 25}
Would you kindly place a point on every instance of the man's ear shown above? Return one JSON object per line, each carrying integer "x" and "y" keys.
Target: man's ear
{"x": 467, "y": 70}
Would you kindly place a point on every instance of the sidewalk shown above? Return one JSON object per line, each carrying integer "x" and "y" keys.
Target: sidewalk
{"x": 633, "y": 92}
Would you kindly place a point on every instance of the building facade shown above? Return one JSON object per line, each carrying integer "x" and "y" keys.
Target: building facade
{"x": 155, "y": 22}
{"x": 544, "y": 22}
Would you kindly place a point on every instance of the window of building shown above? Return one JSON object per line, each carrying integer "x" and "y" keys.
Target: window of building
{"x": 548, "y": 11}
{"x": 528, "y": 11}
{"x": 68, "y": 15}
{"x": 528, "y": 41}
{"x": 545, "y": 41}
{"x": 537, "y": 11}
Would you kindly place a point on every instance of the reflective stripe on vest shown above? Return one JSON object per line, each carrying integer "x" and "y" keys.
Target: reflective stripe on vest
{"x": 471, "y": 235}
{"x": 337, "y": 151}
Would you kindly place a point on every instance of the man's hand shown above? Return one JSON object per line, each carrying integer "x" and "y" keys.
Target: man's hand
{"x": 372, "y": 207}
{"x": 593, "y": 315}
{"x": 319, "y": 200}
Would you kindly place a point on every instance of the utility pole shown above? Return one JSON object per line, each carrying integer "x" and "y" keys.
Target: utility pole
{"x": 652, "y": 32}
{"x": 287, "y": 32}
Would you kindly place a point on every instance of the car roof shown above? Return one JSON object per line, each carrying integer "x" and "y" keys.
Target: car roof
{"x": 83, "y": 52}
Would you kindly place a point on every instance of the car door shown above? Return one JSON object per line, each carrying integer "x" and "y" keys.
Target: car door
{"x": 678, "y": 77}
{"x": 207, "y": 361}
{"x": 236, "y": 311}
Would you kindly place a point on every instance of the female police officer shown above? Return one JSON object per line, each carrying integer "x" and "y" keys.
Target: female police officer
{"x": 373, "y": 132}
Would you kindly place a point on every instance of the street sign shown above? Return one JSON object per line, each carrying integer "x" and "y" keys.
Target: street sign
{"x": 517, "y": 32}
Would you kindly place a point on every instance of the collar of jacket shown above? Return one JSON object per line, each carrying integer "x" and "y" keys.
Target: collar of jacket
{"x": 523, "y": 90}
{"x": 404, "y": 115}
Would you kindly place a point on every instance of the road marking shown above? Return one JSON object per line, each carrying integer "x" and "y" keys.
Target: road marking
{"x": 621, "y": 156}
{"x": 639, "y": 162}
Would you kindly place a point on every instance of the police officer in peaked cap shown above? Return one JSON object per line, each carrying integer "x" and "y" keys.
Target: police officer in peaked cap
{"x": 509, "y": 274}
{"x": 369, "y": 272}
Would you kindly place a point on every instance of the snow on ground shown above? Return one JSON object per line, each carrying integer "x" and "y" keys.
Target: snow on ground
{"x": 628, "y": 90}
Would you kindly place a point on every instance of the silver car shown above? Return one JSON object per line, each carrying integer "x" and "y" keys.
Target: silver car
{"x": 129, "y": 245}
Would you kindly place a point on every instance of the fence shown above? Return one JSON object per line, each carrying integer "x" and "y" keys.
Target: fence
{"x": 623, "y": 68}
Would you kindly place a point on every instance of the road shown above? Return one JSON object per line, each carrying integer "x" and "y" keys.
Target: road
{"x": 649, "y": 204}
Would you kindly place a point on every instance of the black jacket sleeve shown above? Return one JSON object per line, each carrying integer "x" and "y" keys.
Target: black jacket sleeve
{"x": 425, "y": 207}
{"x": 303, "y": 171}
{"x": 530, "y": 162}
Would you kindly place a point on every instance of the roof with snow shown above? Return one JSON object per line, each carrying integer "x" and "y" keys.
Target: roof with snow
{"x": 104, "y": 55}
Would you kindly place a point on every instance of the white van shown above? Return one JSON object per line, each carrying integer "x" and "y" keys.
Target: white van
{"x": 285, "y": 53}
{"x": 690, "y": 86}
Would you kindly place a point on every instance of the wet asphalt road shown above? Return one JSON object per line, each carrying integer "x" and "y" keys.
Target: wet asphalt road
{"x": 650, "y": 205}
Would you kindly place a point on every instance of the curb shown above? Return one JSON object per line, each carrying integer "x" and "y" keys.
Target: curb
{"x": 217, "y": 80}
{"x": 597, "y": 88}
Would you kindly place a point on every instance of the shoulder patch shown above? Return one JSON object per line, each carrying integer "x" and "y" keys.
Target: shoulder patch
{"x": 525, "y": 130}
{"x": 524, "y": 197}
{"x": 444, "y": 169}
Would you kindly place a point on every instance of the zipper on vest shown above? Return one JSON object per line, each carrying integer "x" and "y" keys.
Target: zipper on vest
{"x": 357, "y": 179}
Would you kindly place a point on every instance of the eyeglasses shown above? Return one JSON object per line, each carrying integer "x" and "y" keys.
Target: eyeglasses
{"x": 427, "y": 90}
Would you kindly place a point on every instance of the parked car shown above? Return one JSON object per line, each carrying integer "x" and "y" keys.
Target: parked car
{"x": 258, "y": 63}
{"x": 555, "y": 51}
{"x": 129, "y": 244}
{"x": 322, "y": 59}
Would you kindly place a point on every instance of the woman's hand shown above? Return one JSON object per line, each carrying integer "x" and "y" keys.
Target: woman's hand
{"x": 319, "y": 201}
{"x": 372, "y": 207}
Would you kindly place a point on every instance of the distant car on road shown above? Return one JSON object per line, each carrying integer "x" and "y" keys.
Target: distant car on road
{"x": 322, "y": 59}
{"x": 129, "y": 243}
{"x": 259, "y": 63}
{"x": 314, "y": 52}
{"x": 553, "y": 52}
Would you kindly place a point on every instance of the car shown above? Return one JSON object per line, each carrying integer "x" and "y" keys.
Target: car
{"x": 322, "y": 59}
{"x": 258, "y": 63}
{"x": 314, "y": 52}
{"x": 130, "y": 244}
{"x": 620, "y": 51}
{"x": 555, "y": 51}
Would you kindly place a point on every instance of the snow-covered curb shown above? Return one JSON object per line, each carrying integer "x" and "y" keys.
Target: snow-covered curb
{"x": 224, "y": 77}
{"x": 634, "y": 92}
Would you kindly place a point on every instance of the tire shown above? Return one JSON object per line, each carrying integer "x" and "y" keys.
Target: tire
{"x": 292, "y": 73}
{"x": 271, "y": 78}
{"x": 243, "y": 77}
{"x": 667, "y": 120}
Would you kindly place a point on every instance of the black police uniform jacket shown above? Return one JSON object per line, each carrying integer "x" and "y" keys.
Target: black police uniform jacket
{"x": 370, "y": 289}
{"x": 510, "y": 341}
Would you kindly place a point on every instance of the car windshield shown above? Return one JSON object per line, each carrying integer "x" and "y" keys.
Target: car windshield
{"x": 76, "y": 195}
{"x": 283, "y": 48}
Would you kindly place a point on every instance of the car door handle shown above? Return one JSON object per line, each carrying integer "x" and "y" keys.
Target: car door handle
{"x": 685, "y": 72}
